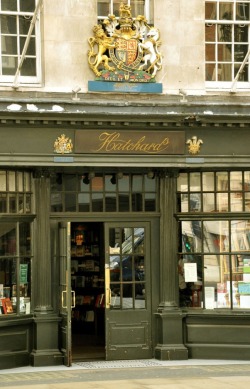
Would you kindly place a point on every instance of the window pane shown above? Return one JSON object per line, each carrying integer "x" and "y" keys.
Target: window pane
{"x": 9, "y": 45}
{"x": 222, "y": 181}
{"x": 215, "y": 236}
{"x": 25, "y": 239}
{"x": 150, "y": 202}
{"x": 110, "y": 202}
{"x": 31, "y": 50}
{"x": 195, "y": 182}
{"x": 222, "y": 202}
{"x": 9, "y": 5}
{"x": 8, "y": 26}
{"x": 3, "y": 203}
{"x": 8, "y": 239}
{"x": 137, "y": 183}
{"x": 29, "y": 67}
{"x": 182, "y": 182}
{"x": 84, "y": 202}
{"x": 2, "y": 181}
{"x": 191, "y": 237}
{"x": 195, "y": 202}
{"x": 123, "y": 184}
{"x": 226, "y": 11}
{"x": 9, "y": 65}
{"x": 103, "y": 7}
{"x": 97, "y": 202}
{"x": 208, "y": 181}
{"x": 27, "y": 5}
{"x": 70, "y": 202}
{"x": 12, "y": 181}
{"x": 149, "y": 184}
{"x": 24, "y": 25}
{"x": 97, "y": 184}
{"x": 240, "y": 235}
{"x": 70, "y": 182}
{"x": 12, "y": 203}
{"x": 20, "y": 182}
{"x": 210, "y": 10}
{"x": 110, "y": 186}
{"x": 123, "y": 200}
{"x": 127, "y": 270}
{"x": 137, "y": 7}
{"x": 190, "y": 292}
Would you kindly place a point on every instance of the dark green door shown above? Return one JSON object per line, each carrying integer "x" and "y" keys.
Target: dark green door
{"x": 66, "y": 297}
{"x": 127, "y": 291}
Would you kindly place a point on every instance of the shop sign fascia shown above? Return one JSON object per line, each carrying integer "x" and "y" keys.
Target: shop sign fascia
{"x": 129, "y": 142}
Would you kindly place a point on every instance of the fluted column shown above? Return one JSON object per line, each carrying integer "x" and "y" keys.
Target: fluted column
{"x": 169, "y": 317}
{"x": 46, "y": 322}
{"x": 168, "y": 245}
{"x": 42, "y": 286}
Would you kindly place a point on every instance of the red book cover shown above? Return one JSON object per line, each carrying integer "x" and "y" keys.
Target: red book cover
{"x": 7, "y": 305}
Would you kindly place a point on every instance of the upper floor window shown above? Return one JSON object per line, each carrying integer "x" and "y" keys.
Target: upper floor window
{"x": 20, "y": 46}
{"x": 227, "y": 42}
{"x": 138, "y": 7}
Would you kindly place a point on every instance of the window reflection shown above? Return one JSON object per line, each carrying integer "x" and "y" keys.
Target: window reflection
{"x": 127, "y": 269}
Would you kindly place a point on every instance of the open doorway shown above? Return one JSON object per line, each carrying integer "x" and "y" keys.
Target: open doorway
{"x": 87, "y": 282}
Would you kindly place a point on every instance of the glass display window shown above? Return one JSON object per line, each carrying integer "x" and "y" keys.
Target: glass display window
{"x": 15, "y": 268}
{"x": 214, "y": 245}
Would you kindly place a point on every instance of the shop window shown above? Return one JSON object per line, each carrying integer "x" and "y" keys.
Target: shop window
{"x": 127, "y": 270}
{"x": 15, "y": 268}
{"x": 118, "y": 192}
{"x": 15, "y": 21}
{"x": 214, "y": 246}
{"x": 227, "y": 43}
{"x": 138, "y": 7}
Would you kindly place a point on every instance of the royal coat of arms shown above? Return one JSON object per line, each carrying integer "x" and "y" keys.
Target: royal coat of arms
{"x": 125, "y": 49}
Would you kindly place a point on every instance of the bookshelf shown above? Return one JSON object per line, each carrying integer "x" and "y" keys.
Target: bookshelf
{"x": 87, "y": 276}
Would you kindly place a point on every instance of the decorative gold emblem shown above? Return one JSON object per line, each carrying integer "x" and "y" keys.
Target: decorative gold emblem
{"x": 194, "y": 145}
{"x": 63, "y": 145}
{"x": 125, "y": 49}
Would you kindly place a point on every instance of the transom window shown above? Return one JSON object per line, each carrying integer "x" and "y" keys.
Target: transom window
{"x": 92, "y": 192}
{"x": 15, "y": 192}
{"x": 20, "y": 46}
{"x": 214, "y": 239}
{"x": 138, "y": 7}
{"x": 227, "y": 42}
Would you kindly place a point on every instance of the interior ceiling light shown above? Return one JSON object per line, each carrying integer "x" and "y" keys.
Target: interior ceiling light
{"x": 151, "y": 174}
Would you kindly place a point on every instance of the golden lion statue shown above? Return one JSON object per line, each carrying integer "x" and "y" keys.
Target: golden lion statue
{"x": 97, "y": 57}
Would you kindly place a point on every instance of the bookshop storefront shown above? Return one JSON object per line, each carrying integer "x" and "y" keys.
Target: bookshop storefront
{"x": 125, "y": 243}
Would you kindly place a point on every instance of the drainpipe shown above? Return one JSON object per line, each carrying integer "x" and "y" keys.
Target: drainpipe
{"x": 26, "y": 45}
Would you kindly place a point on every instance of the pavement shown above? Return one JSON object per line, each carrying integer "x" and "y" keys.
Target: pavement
{"x": 140, "y": 374}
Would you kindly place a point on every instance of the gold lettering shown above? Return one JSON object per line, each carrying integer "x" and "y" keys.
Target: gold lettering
{"x": 113, "y": 142}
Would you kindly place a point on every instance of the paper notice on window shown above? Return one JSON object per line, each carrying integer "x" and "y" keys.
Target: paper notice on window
{"x": 209, "y": 297}
{"x": 190, "y": 272}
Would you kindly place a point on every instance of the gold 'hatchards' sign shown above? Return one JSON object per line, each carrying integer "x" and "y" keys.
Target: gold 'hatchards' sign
{"x": 129, "y": 142}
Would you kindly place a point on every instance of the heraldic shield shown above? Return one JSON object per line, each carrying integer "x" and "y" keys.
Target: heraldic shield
{"x": 125, "y": 49}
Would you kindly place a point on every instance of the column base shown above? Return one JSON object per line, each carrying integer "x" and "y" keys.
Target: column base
{"x": 170, "y": 336}
{"x": 171, "y": 353}
{"x": 46, "y": 358}
{"x": 46, "y": 341}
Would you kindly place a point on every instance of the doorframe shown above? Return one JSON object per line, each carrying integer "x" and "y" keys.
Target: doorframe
{"x": 154, "y": 228}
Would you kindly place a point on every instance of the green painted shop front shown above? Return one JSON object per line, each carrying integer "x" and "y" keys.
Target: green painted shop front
{"x": 67, "y": 216}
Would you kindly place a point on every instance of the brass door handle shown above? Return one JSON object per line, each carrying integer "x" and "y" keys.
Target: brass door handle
{"x": 73, "y": 298}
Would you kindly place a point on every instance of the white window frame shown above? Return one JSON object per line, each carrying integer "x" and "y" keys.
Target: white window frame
{"x": 147, "y": 14}
{"x": 24, "y": 80}
{"x": 228, "y": 84}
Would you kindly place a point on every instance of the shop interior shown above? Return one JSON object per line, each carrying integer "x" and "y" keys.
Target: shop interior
{"x": 87, "y": 281}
